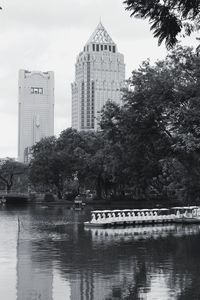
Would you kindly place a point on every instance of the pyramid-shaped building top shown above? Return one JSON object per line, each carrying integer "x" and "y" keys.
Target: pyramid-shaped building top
{"x": 100, "y": 36}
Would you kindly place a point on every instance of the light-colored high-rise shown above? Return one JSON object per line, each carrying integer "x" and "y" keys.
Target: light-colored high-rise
{"x": 99, "y": 77}
{"x": 36, "y": 109}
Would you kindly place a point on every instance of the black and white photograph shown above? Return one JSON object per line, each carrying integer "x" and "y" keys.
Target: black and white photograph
{"x": 99, "y": 150}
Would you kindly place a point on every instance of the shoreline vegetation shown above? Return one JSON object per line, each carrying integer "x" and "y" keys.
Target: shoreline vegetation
{"x": 146, "y": 150}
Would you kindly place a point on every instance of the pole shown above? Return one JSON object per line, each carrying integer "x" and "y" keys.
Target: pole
{"x": 18, "y": 224}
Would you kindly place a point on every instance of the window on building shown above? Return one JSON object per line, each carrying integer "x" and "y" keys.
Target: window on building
{"x": 114, "y": 49}
{"x": 97, "y": 47}
{"x": 36, "y": 90}
{"x": 93, "y": 47}
{"x": 105, "y": 47}
{"x": 109, "y": 48}
{"x": 101, "y": 47}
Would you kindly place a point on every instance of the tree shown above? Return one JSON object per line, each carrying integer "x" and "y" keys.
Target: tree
{"x": 90, "y": 157}
{"x": 90, "y": 162}
{"x": 156, "y": 131}
{"x": 115, "y": 153}
{"x": 50, "y": 166}
{"x": 9, "y": 170}
{"x": 149, "y": 146}
{"x": 167, "y": 18}
{"x": 138, "y": 129}
{"x": 54, "y": 160}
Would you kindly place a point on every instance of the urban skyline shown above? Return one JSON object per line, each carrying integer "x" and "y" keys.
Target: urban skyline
{"x": 31, "y": 40}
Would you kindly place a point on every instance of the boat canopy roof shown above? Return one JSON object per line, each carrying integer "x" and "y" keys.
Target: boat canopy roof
{"x": 184, "y": 207}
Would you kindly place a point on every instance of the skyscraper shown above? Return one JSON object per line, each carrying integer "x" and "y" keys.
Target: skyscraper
{"x": 99, "y": 77}
{"x": 36, "y": 109}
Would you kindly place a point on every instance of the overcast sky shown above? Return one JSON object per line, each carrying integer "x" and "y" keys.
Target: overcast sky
{"x": 47, "y": 35}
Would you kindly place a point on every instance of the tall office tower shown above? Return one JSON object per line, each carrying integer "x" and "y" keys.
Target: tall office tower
{"x": 36, "y": 110}
{"x": 99, "y": 77}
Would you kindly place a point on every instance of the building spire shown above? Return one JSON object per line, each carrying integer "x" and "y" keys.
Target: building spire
{"x": 100, "y": 35}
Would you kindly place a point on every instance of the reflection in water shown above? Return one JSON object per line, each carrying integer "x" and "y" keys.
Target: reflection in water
{"x": 142, "y": 232}
{"x": 58, "y": 259}
{"x": 33, "y": 281}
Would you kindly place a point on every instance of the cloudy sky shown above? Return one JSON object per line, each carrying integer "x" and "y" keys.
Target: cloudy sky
{"x": 47, "y": 35}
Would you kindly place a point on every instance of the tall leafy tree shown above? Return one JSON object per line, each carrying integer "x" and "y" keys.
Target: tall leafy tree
{"x": 168, "y": 18}
{"x": 157, "y": 128}
{"x": 138, "y": 128}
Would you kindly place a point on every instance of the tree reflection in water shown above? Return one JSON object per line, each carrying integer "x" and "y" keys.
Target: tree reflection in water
{"x": 132, "y": 263}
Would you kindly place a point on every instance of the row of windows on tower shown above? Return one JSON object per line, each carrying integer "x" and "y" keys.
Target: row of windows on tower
{"x": 100, "y": 47}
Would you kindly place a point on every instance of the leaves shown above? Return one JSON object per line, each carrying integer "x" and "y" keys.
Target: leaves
{"x": 167, "y": 18}
{"x": 9, "y": 171}
{"x": 158, "y": 123}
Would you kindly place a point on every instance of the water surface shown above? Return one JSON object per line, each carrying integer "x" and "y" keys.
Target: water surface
{"x": 52, "y": 257}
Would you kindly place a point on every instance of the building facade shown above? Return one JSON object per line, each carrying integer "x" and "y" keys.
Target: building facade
{"x": 99, "y": 77}
{"x": 36, "y": 110}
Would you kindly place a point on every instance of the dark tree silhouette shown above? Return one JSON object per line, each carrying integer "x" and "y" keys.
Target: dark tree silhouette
{"x": 167, "y": 18}
{"x": 9, "y": 171}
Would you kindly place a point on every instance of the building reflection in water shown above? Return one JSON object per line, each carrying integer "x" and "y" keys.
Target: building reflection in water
{"x": 144, "y": 262}
{"x": 34, "y": 278}
{"x": 37, "y": 277}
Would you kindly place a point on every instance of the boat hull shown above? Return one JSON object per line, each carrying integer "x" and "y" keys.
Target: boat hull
{"x": 193, "y": 220}
{"x": 92, "y": 225}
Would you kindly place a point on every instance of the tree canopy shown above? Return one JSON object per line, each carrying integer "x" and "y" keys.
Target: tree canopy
{"x": 148, "y": 147}
{"x": 156, "y": 131}
{"x": 168, "y": 18}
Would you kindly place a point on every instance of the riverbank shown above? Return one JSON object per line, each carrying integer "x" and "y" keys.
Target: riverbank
{"x": 103, "y": 204}
{"x": 123, "y": 203}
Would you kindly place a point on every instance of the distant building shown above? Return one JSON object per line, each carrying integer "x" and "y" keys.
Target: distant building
{"x": 36, "y": 110}
{"x": 99, "y": 77}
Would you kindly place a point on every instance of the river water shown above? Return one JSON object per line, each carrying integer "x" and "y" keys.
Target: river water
{"x": 52, "y": 257}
